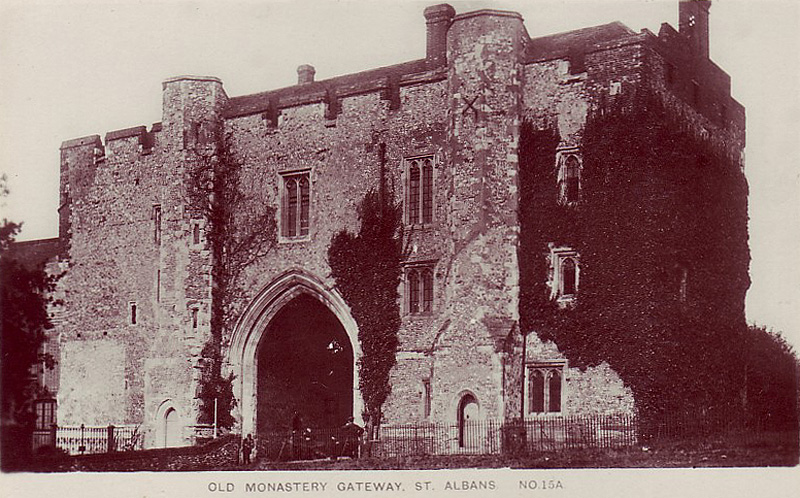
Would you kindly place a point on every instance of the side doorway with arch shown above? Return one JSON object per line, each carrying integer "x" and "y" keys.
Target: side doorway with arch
{"x": 468, "y": 422}
{"x": 169, "y": 426}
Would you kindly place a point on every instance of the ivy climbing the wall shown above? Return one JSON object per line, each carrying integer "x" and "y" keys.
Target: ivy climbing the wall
{"x": 240, "y": 230}
{"x": 661, "y": 229}
{"x": 367, "y": 271}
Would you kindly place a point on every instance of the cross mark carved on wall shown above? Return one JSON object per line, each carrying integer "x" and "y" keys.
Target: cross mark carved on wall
{"x": 471, "y": 106}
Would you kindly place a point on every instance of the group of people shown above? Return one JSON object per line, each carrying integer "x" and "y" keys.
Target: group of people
{"x": 346, "y": 442}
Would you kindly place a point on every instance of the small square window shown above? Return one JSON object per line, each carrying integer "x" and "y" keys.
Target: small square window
{"x": 196, "y": 233}
{"x": 615, "y": 88}
{"x": 295, "y": 204}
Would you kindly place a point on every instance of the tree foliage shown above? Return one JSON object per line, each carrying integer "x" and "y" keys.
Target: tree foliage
{"x": 240, "y": 230}
{"x": 771, "y": 380}
{"x": 655, "y": 200}
{"x": 24, "y": 298}
{"x": 367, "y": 271}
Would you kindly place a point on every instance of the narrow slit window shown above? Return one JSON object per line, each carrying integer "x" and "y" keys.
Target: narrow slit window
{"x": 157, "y": 224}
{"x": 194, "y": 318}
{"x": 132, "y": 313}
{"x": 426, "y": 398}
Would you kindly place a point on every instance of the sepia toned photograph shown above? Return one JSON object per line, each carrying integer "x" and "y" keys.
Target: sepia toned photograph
{"x": 399, "y": 248}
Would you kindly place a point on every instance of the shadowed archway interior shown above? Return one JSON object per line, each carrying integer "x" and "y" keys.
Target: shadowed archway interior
{"x": 305, "y": 369}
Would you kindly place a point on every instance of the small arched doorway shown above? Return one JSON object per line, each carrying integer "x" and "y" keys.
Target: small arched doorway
{"x": 172, "y": 428}
{"x": 304, "y": 364}
{"x": 467, "y": 418}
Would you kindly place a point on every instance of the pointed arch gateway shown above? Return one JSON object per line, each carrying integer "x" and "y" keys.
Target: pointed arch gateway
{"x": 295, "y": 349}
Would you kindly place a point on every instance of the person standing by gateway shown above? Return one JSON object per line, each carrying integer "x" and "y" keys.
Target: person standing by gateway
{"x": 351, "y": 434}
{"x": 247, "y": 448}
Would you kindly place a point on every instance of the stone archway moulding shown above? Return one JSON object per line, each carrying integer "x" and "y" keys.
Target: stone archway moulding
{"x": 160, "y": 421}
{"x": 253, "y": 324}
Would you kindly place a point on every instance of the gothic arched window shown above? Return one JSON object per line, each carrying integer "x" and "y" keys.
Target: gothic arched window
{"x": 419, "y": 206}
{"x": 419, "y": 288}
{"x": 564, "y": 274}
{"x": 296, "y": 208}
{"x": 544, "y": 390}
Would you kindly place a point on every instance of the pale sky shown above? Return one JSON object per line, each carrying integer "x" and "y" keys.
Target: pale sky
{"x": 69, "y": 70}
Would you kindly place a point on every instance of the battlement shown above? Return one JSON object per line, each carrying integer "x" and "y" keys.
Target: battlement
{"x": 91, "y": 140}
{"x": 692, "y": 64}
{"x": 189, "y": 77}
{"x": 136, "y": 131}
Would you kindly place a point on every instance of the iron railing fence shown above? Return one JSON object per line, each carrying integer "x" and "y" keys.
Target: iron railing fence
{"x": 558, "y": 433}
{"x": 83, "y": 439}
{"x": 537, "y": 434}
{"x": 308, "y": 444}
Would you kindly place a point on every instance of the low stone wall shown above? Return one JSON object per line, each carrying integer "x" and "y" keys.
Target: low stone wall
{"x": 220, "y": 454}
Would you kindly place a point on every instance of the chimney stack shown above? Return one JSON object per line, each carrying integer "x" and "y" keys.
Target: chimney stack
{"x": 305, "y": 74}
{"x": 693, "y": 23}
{"x": 438, "y": 19}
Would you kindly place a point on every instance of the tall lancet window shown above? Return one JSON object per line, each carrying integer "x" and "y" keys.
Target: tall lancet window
{"x": 296, "y": 205}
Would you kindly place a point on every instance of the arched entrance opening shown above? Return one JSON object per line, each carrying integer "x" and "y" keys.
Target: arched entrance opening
{"x": 467, "y": 415}
{"x": 304, "y": 369}
{"x": 293, "y": 297}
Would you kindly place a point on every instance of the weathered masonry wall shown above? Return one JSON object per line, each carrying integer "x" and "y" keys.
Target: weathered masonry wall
{"x": 103, "y": 351}
{"x": 126, "y": 223}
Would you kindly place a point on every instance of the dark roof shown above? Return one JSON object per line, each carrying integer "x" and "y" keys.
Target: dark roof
{"x": 370, "y": 80}
{"x": 579, "y": 39}
{"x": 34, "y": 253}
{"x": 376, "y": 79}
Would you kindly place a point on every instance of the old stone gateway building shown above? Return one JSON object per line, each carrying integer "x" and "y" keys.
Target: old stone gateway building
{"x": 485, "y": 141}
